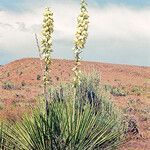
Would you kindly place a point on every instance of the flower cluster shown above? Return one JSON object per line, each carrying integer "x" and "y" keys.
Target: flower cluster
{"x": 46, "y": 42}
{"x": 80, "y": 39}
{"x": 82, "y": 28}
{"x": 47, "y": 30}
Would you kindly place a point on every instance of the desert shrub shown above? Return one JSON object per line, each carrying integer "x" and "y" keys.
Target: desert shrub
{"x": 8, "y": 85}
{"x": 108, "y": 88}
{"x": 118, "y": 92}
{"x": 38, "y": 77}
{"x": 67, "y": 127}
{"x": 137, "y": 90}
{"x": 115, "y": 91}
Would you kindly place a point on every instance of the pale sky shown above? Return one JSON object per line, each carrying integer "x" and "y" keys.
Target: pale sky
{"x": 119, "y": 30}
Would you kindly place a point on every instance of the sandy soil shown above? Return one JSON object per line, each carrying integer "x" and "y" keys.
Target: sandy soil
{"x": 24, "y": 78}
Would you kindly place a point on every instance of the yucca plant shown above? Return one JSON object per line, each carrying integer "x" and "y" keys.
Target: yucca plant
{"x": 60, "y": 132}
{"x": 71, "y": 128}
{"x": 1, "y": 136}
{"x": 4, "y": 144}
{"x": 79, "y": 117}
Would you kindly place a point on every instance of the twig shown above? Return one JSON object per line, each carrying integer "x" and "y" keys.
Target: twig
{"x": 40, "y": 55}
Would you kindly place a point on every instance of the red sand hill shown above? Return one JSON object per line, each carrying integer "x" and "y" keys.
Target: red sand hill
{"x": 20, "y": 84}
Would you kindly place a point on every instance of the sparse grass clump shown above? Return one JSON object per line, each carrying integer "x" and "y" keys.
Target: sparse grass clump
{"x": 8, "y": 85}
{"x": 118, "y": 92}
{"x": 137, "y": 90}
{"x": 115, "y": 91}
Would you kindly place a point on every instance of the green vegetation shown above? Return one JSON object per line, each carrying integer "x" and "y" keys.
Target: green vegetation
{"x": 118, "y": 92}
{"x": 8, "y": 85}
{"x": 1, "y": 136}
{"x": 138, "y": 90}
{"x": 3, "y": 141}
{"x": 115, "y": 91}
{"x": 97, "y": 123}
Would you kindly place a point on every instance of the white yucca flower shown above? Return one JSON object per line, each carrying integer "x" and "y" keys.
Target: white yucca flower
{"x": 47, "y": 30}
{"x": 46, "y": 43}
{"x": 82, "y": 27}
{"x": 80, "y": 39}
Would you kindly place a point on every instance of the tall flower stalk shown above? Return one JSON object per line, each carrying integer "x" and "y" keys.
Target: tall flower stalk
{"x": 80, "y": 40}
{"x": 46, "y": 50}
{"x": 79, "y": 43}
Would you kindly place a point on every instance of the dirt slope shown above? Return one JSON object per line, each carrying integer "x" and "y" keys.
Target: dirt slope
{"x": 20, "y": 83}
